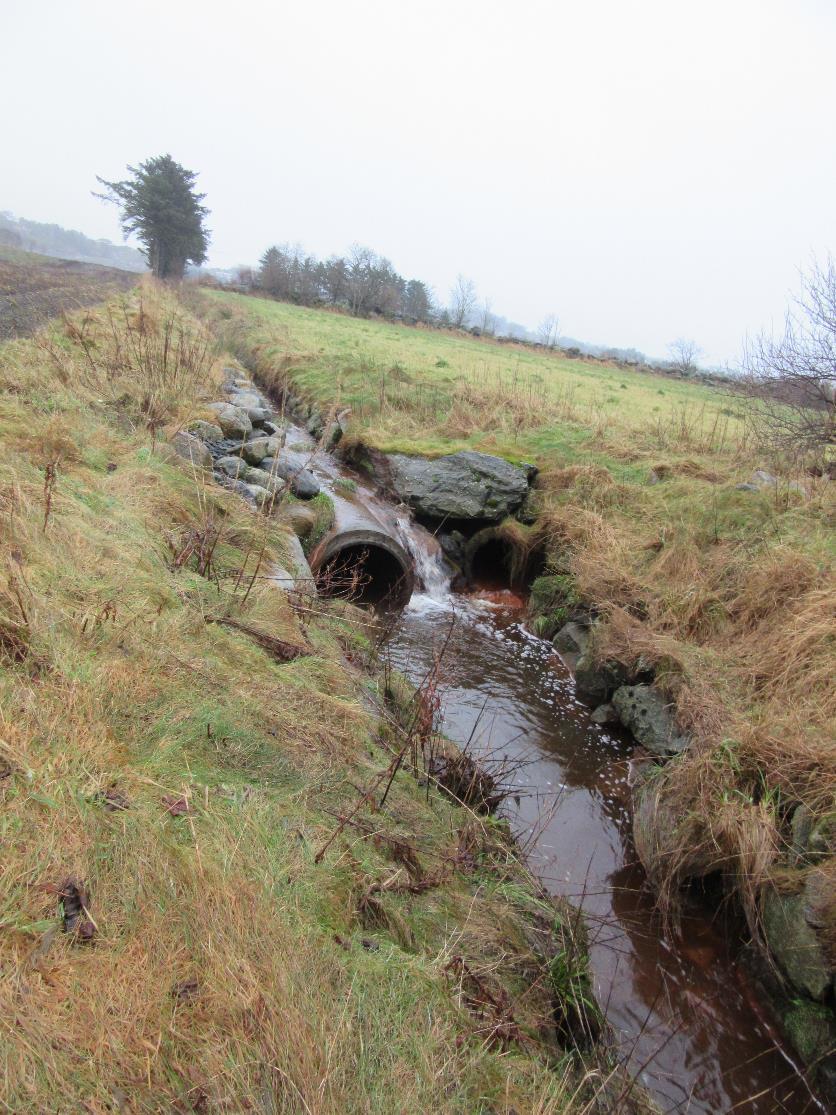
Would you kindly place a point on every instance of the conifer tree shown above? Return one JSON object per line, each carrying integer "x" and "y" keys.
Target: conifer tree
{"x": 160, "y": 206}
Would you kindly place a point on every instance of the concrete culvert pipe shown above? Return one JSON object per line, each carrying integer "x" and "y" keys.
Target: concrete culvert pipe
{"x": 365, "y": 564}
{"x": 495, "y": 559}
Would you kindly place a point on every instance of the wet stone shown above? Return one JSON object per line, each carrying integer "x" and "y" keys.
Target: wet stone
{"x": 304, "y": 485}
{"x": 605, "y": 714}
{"x": 794, "y": 944}
{"x": 646, "y": 712}
{"x": 596, "y": 682}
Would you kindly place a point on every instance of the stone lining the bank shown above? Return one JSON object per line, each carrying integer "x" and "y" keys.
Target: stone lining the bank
{"x": 244, "y": 450}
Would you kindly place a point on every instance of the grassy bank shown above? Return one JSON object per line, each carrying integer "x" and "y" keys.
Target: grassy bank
{"x": 726, "y": 594}
{"x": 433, "y": 391}
{"x": 185, "y": 925}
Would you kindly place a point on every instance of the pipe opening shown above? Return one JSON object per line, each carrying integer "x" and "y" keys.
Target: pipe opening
{"x": 494, "y": 562}
{"x": 491, "y": 565}
{"x": 365, "y": 574}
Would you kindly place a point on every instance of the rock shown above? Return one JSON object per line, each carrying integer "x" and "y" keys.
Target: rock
{"x": 252, "y": 493}
{"x": 304, "y": 484}
{"x": 315, "y": 425}
{"x": 763, "y": 479}
{"x": 596, "y": 682}
{"x": 746, "y": 488}
{"x": 466, "y": 485}
{"x": 811, "y": 1028}
{"x": 246, "y": 400}
{"x": 205, "y": 431}
{"x": 794, "y": 944}
{"x": 272, "y": 484}
{"x": 453, "y": 545}
{"x": 258, "y": 415}
{"x": 301, "y": 520}
{"x": 822, "y": 838}
{"x": 571, "y": 639}
{"x": 258, "y": 448}
{"x": 191, "y": 449}
{"x": 234, "y": 467}
{"x": 819, "y": 896}
{"x": 234, "y": 421}
{"x": 649, "y": 715}
{"x": 273, "y": 429}
{"x": 276, "y": 467}
{"x": 605, "y": 714}
{"x": 256, "y": 494}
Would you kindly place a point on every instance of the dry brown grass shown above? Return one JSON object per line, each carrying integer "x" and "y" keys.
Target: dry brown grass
{"x": 741, "y": 632}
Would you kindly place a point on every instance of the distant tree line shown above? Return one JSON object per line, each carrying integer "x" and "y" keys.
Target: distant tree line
{"x": 65, "y": 243}
{"x": 361, "y": 282}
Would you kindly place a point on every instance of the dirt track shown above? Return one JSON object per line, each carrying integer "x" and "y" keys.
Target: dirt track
{"x": 34, "y": 288}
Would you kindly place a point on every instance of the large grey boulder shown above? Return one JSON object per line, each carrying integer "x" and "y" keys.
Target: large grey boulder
{"x": 466, "y": 485}
{"x": 794, "y": 944}
{"x": 650, "y": 716}
{"x": 234, "y": 467}
{"x": 253, "y": 493}
{"x": 234, "y": 421}
{"x": 256, "y": 494}
{"x": 247, "y": 400}
{"x": 258, "y": 448}
{"x": 571, "y": 640}
{"x": 191, "y": 449}
{"x": 271, "y": 483}
{"x": 205, "y": 431}
{"x": 304, "y": 484}
{"x": 595, "y": 682}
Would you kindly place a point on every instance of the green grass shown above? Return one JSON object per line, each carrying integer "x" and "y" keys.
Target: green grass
{"x": 383, "y": 370}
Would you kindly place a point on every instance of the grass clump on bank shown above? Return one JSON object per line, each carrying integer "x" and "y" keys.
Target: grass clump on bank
{"x": 173, "y": 933}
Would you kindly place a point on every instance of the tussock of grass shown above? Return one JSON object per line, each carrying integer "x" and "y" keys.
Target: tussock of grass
{"x": 186, "y": 774}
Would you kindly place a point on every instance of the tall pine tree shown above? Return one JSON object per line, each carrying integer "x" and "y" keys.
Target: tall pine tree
{"x": 160, "y": 207}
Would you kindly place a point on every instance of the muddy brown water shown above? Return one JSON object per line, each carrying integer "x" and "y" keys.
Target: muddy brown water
{"x": 684, "y": 1016}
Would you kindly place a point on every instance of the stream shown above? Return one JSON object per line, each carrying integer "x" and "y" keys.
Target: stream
{"x": 683, "y": 1012}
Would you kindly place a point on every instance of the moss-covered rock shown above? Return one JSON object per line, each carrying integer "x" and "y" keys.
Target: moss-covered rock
{"x": 811, "y": 1027}
{"x": 794, "y": 944}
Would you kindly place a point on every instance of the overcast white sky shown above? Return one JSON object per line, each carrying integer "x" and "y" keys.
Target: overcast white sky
{"x": 645, "y": 168}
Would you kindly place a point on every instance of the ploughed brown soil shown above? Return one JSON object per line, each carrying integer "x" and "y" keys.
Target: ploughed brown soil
{"x": 34, "y": 288}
